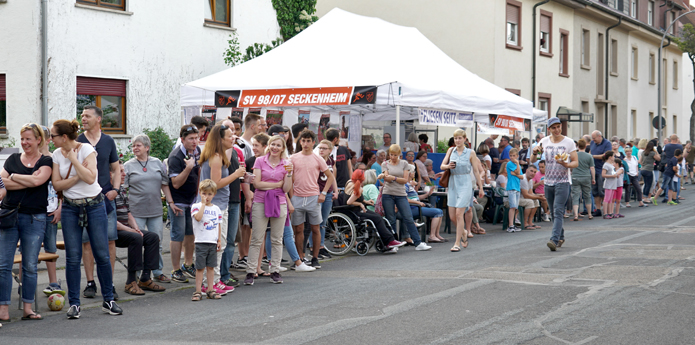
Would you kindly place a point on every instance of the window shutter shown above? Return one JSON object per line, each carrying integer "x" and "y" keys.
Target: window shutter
{"x": 100, "y": 87}
{"x": 545, "y": 24}
{"x": 2, "y": 87}
{"x": 512, "y": 14}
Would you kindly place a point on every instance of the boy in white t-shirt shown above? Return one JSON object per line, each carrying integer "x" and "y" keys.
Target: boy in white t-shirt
{"x": 206, "y": 229}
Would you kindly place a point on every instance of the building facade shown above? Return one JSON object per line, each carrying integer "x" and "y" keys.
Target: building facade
{"x": 573, "y": 52}
{"x": 128, "y": 57}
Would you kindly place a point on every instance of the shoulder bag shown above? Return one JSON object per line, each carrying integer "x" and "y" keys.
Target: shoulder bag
{"x": 444, "y": 180}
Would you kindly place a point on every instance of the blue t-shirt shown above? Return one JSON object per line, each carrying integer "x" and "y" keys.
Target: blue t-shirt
{"x": 513, "y": 182}
{"x": 600, "y": 149}
{"x": 505, "y": 152}
{"x": 106, "y": 154}
{"x": 673, "y": 162}
{"x": 376, "y": 167}
{"x": 670, "y": 150}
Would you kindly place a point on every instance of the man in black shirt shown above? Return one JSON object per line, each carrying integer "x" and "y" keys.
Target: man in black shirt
{"x": 109, "y": 177}
{"x": 183, "y": 184}
{"x": 341, "y": 155}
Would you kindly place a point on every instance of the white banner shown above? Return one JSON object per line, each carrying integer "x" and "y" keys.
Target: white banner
{"x": 448, "y": 118}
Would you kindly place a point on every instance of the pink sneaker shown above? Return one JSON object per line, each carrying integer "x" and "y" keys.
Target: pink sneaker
{"x": 203, "y": 288}
{"x": 220, "y": 288}
{"x": 226, "y": 287}
{"x": 395, "y": 244}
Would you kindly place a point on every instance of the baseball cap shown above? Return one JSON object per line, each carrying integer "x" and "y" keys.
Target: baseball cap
{"x": 552, "y": 121}
{"x": 275, "y": 129}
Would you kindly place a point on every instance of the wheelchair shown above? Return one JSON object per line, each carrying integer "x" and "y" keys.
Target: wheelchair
{"x": 345, "y": 231}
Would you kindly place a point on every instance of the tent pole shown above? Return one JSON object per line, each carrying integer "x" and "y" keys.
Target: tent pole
{"x": 398, "y": 124}
{"x": 475, "y": 134}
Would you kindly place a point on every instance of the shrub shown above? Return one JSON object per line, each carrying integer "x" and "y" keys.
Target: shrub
{"x": 160, "y": 141}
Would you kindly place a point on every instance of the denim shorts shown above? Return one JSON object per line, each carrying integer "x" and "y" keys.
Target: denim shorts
{"x": 181, "y": 225}
{"x": 668, "y": 181}
{"x": 513, "y": 198}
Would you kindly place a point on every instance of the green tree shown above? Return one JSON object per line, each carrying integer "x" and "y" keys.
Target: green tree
{"x": 293, "y": 16}
{"x": 160, "y": 142}
{"x": 686, "y": 43}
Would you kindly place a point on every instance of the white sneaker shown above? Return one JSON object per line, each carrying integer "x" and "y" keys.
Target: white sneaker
{"x": 546, "y": 218}
{"x": 393, "y": 250}
{"x": 282, "y": 269}
{"x": 304, "y": 268}
{"x": 423, "y": 246}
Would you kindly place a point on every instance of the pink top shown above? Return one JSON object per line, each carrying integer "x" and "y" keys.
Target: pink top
{"x": 269, "y": 174}
{"x": 541, "y": 188}
{"x": 306, "y": 173}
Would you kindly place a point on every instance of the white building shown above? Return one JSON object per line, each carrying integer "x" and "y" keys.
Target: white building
{"x": 129, "y": 57}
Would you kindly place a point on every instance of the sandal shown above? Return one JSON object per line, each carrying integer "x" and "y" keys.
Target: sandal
{"x": 481, "y": 231}
{"x": 197, "y": 296}
{"x": 464, "y": 243}
{"x": 576, "y": 219}
{"x": 591, "y": 217}
{"x": 32, "y": 316}
{"x": 434, "y": 240}
{"x": 212, "y": 294}
{"x": 455, "y": 249}
{"x": 261, "y": 274}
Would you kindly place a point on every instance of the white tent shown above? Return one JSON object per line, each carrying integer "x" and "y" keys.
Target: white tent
{"x": 343, "y": 49}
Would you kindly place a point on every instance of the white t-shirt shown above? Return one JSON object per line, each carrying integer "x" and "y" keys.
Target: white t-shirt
{"x": 52, "y": 198}
{"x": 554, "y": 172}
{"x": 610, "y": 182}
{"x": 247, "y": 149}
{"x": 206, "y": 230}
{"x": 524, "y": 184}
{"x": 632, "y": 166}
{"x": 81, "y": 189}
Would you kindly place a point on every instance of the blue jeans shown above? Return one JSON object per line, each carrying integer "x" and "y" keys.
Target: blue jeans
{"x": 288, "y": 239}
{"x": 232, "y": 228}
{"x": 154, "y": 225}
{"x": 428, "y": 212}
{"x": 111, "y": 221}
{"x": 648, "y": 178}
{"x": 557, "y": 196}
{"x": 30, "y": 230}
{"x": 49, "y": 238}
{"x": 99, "y": 241}
{"x": 390, "y": 202}
{"x": 326, "y": 207}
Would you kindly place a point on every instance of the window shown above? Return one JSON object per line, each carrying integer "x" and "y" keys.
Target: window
{"x": 633, "y": 119}
{"x": 107, "y": 94}
{"x": 651, "y": 128}
{"x": 586, "y": 49}
{"x": 564, "y": 53}
{"x": 671, "y": 17}
{"x": 634, "y": 61}
{"x": 614, "y": 57}
{"x": 515, "y": 91}
{"x": 633, "y": 8}
{"x": 112, "y": 4}
{"x": 652, "y": 68}
{"x": 513, "y": 24}
{"x": 664, "y": 82}
{"x": 650, "y": 13}
{"x": 3, "y": 105}
{"x": 544, "y": 101}
{"x": 675, "y": 123}
{"x": 675, "y": 75}
{"x": 218, "y": 12}
{"x": 546, "y": 39}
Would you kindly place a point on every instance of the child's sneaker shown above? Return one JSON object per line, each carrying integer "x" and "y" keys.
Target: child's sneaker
{"x": 223, "y": 289}
{"x": 188, "y": 271}
{"x": 53, "y": 288}
{"x": 177, "y": 276}
{"x": 511, "y": 229}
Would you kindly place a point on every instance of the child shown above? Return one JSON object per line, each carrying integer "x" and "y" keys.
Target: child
{"x": 513, "y": 187}
{"x": 206, "y": 228}
{"x": 618, "y": 195}
{"x": 670, "y": 172}
{"x": 610, "y": 184}
{"x": 539, "y": 188}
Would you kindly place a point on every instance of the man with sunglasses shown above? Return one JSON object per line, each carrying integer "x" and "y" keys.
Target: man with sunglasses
{"x": 109, "y": 177}
{"x": 183, "y": 184}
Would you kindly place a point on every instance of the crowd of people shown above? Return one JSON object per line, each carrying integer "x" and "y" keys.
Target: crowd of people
{"x": 266, "y": 189}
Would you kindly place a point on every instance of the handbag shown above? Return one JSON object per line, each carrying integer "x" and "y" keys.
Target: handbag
{"x": 444, "y": 180}
{"x": 8, "y": 216}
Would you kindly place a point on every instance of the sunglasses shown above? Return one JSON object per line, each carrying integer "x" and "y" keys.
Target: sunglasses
{"x": 190, "y": 129}
{"x": 222, "y": 129}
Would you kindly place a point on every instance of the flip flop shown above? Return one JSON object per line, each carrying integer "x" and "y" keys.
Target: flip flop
{"x": 444, "y": 240}
{"x": 455, "y": 249}
{"x": 434, "y": 241}
{"x": 264, "y": 274}
{"x": 32, "y": 316}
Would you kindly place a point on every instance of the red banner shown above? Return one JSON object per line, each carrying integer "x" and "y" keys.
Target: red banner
{"x": 295, "y": 97}
{"x": 505, "y": 121}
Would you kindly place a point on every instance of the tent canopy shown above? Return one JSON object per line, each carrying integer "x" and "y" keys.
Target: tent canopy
{"x": 327, "y": 54}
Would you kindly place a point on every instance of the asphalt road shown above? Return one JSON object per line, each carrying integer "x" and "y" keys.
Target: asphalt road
{"x": 626, "y": 281}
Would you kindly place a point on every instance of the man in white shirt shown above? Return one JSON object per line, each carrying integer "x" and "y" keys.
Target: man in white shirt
{"x": 529, "y": 200}
{"x": 251, "y": 128}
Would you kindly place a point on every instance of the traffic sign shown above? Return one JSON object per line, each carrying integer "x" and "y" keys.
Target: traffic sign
{"x": 655, "y": 122}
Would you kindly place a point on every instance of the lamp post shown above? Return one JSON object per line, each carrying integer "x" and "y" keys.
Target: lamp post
{"x": 659, "y": 62}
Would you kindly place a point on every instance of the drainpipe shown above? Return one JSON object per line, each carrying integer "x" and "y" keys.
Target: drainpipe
{"x": 605, "y": 123}
{"x": 44, "y": 63}
{"x": 535, "y": 52}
